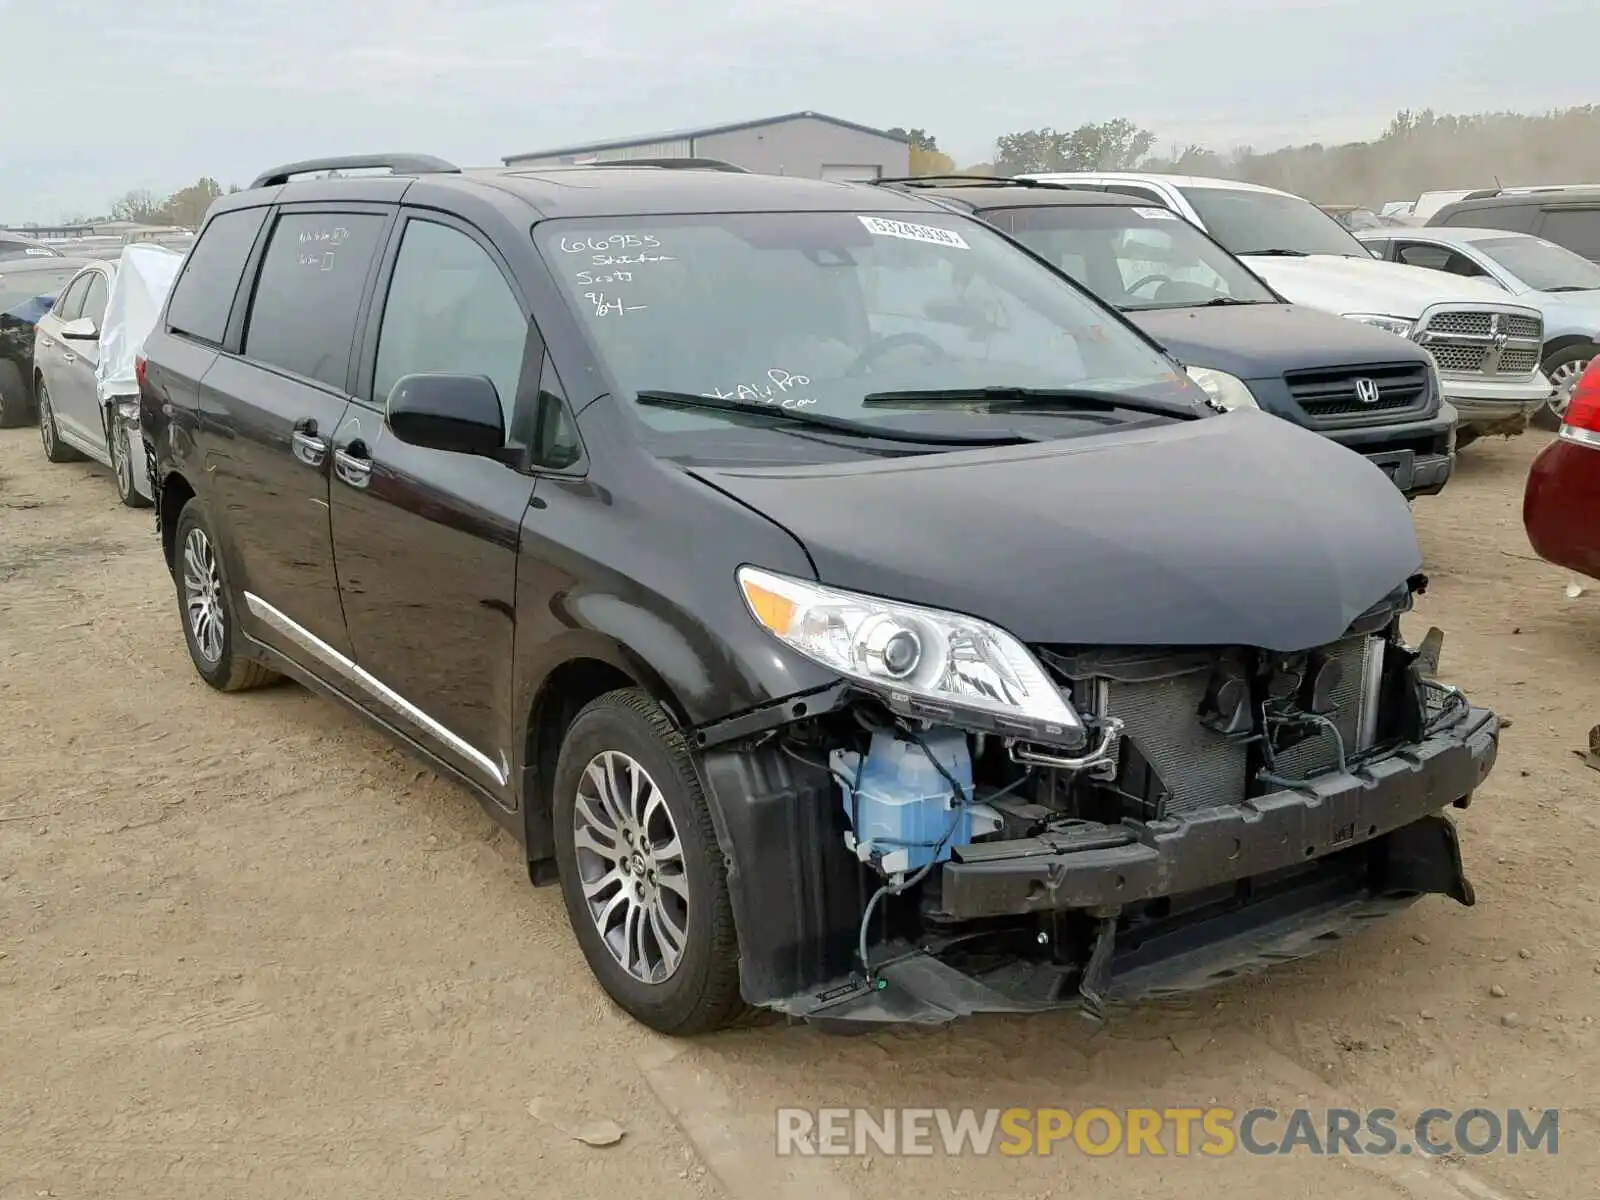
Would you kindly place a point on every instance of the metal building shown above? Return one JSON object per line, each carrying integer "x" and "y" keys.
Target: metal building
{"x": 809, "y": 144}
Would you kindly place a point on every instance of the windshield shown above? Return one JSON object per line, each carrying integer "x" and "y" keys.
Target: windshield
{"x": 815, "y": 310}
{"x": 1261, "y": 222}
{"x": 1135, "y": 258}
{"x": 1543, "y": 266}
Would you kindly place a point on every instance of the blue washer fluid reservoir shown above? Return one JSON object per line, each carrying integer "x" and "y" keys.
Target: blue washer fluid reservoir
{"x": 902, "y": 807}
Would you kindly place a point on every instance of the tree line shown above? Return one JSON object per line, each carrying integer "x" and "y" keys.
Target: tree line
{"x": 1416, "y": 152}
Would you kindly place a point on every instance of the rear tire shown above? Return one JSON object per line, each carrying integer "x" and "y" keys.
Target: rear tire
{"x": 205, "y": 605}
{"x": 14, "y": 407}
{"x": 1562, "y": 368}
{"x": 55, "y": 450}
{"x": 642, "y": 875}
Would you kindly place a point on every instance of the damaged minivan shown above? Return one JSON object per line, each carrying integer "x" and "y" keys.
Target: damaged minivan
{"x": 856, "y": 618}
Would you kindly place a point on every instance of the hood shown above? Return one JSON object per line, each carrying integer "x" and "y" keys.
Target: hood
{"x": 1239, "y": 529}
{"x": 1564, "y": 311}
{"x": 1258, "y": 341}
{"x": 1366, "y": 285}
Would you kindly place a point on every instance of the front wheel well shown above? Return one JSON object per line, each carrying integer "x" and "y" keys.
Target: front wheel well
{"x": 1556, "y": 345}
{"x": 561, "y": 698}
{"x": 175, "y": 493}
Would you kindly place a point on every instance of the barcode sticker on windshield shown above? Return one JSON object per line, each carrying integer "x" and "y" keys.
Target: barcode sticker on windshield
{"x": 1157, "y": 214}
{"x": 931, "y": 234}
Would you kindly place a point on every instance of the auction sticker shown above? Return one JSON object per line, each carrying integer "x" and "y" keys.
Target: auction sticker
{"x": 931, "y": 234}
{"x": 1157, "y": 214}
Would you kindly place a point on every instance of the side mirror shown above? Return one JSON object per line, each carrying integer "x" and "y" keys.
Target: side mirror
{"x": 458, "y": 413}
{"x": 81, "y": 330}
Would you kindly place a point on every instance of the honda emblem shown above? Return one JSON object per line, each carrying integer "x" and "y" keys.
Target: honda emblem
{"x": 1367, "y": 391}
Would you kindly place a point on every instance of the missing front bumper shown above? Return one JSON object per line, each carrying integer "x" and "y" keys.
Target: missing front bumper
{"x": 1267, "y": 882}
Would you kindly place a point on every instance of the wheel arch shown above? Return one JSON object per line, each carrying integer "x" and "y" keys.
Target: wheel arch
{"x": 1566, "y": 342}
{"x": 580, "y": 667}
{"x": 176, "y": 491}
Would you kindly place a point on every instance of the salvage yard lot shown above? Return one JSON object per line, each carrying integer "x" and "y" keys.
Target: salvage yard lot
{"x": 249, "y": 949}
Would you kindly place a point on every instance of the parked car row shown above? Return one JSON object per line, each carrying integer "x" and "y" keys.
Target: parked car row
{"x": 1486, "y": 343}
{"x": 850, "y": 609}
{"x": 70, "y": 363}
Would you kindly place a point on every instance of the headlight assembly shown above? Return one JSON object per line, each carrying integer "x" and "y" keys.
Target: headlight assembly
{"x": 1225, "y": 391}
{"x": 923, "y": 662}
{"x": 1400, "y": 326}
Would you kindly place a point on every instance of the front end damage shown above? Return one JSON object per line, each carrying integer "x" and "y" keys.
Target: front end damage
{"x": 1228, "y": 808}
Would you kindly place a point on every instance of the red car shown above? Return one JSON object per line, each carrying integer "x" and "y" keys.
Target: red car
{"x": 1561, "y": 506}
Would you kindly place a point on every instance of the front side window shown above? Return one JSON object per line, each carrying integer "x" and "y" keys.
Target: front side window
{"x": 203, "y": 296}
{"x": 1542, "y": 265}
{"x": 449, "y": 311}
{"x": 70, "y": 306}
{"x": 1440, "y": 258}
{"x": 94, "y": 300}
{"x": 1250, "y": 222}
{"x": 303, "y": 314}
{"x": 817, "y": 310}
{"x": 1137, "y": 257}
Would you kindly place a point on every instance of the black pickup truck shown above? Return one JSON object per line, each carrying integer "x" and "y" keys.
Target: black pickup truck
{"x": 1363, "y": 387}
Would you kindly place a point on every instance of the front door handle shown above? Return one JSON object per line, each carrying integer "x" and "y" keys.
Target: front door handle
{"x": 68, "y": 357}
{"x": 307, "y": 447}
{"x": 352, "y": 465}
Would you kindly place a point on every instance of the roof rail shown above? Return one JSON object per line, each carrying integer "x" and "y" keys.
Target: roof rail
{"x": 671, "y": 164}
{"x": 399, "y": 164}
{"x": 972, "y": 180}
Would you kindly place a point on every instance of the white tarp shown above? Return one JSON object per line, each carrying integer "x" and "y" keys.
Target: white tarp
{"x": 145, "y": 274}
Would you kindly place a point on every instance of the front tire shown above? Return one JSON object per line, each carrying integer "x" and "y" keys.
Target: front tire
{"x": 642, "y": 875}
{"x": 120, "y": 452}
{"x": 1562, "y": 369}
{"x": 205, "y": 605}
{"x": 55, "y": 450}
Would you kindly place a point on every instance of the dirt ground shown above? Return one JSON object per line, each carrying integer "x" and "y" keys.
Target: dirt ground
{"x": 248, "y": 949}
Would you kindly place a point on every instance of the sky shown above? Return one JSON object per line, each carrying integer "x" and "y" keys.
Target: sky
{"x": 102, "y": 97}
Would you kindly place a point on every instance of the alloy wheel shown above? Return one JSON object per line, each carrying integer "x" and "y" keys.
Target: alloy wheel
{"x": 121, "y": 462}
{"x": 1565, "y": 379}
{"x": 631, "y": 866}
{"x": 202, "y": 595}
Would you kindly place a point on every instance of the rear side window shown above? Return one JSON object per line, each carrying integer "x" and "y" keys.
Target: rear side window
{"x": 1578, "y": 229}
{"x": 303, "y": 316}
{"x": 1517, "y": 217}
{"x": 203, "y": 296}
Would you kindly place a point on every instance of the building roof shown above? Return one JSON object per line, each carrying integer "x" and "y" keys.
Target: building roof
{"x": 674, "y": 135}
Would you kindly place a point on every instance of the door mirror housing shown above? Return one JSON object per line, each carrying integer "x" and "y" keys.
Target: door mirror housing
{"x": 457, "y": 413}
{"x": 81, "y": 330}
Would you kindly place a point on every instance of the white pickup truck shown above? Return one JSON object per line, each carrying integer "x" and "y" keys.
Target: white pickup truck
{"x": 1487, "y": 349}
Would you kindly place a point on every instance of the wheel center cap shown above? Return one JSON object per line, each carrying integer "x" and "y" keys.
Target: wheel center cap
{"x": 637, "y": 862}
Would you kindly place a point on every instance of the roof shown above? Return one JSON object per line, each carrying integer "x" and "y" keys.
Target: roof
{"x": 1554, "y": 197}
{"x": 675, "y": 135}
{"x": 999, "y": 196}
{"x": 1180, "y": 181}
{"x": 1455, "y": 235}
{"x": 620, "y": 191}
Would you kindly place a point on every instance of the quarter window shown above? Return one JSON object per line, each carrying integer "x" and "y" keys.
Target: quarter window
{"x": 303, "y": 316}
{"x": 203, "y": 296}
{"x": 450, "y": 311}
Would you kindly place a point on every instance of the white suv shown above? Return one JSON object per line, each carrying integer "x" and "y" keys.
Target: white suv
{"x": 1488, "y": 350}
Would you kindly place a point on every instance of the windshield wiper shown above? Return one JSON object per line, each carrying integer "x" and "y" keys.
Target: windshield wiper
{"x": 1221, "y": 300}
{"x": 840, "y": 425}
{"x": 1002, "y": 398}
{"x": 1274, "y": 252}
{"x": 1569, "y": 287}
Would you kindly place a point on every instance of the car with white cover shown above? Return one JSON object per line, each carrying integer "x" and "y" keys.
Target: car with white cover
{"x": 1487, "y": 343}
{"x": 85, "y": 350}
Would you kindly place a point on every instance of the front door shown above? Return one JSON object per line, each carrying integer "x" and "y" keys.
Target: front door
{"x": 426, "y": 541}
{"x": 272, "y": 410}
{"x": 53, "y": 355}
{"x": 77, "y": 403}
